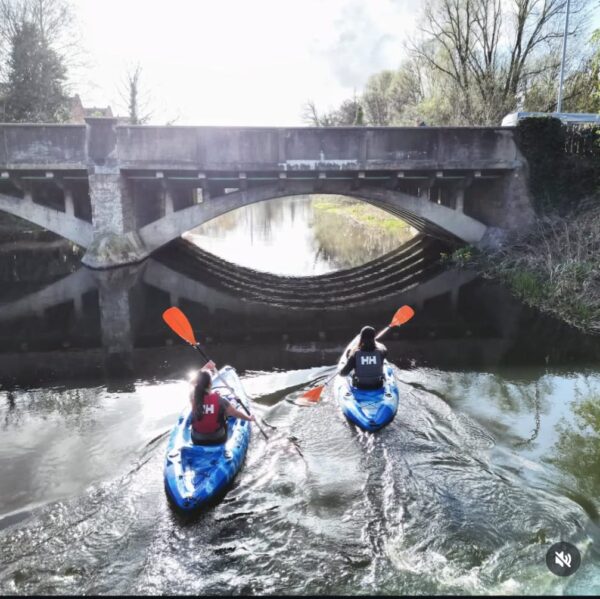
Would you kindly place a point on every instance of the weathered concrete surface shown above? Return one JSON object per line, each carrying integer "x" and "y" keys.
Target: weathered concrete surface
{"x": 111, "y": 249}
{"x": 171, "y": 227}
{"x": 101, "y": 142}
{"x": 504, "y": 205}
{"x": 307, "y": 148}
{"x": 74, "y": 229}
{"x": 42, "y": 146}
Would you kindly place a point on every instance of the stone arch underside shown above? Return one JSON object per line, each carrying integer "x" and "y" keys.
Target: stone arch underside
{"x": 70, "y": 227}
{"x": 419, "y": 212}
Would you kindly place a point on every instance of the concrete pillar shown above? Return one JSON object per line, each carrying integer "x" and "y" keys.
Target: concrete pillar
{"x": 169, "y": 207}
{"x": 116, "y": 241}
{"x": 78, "y": 306}
{"x": 204, "y": 185}
{"x": 69, "y": 204}
{"x": 460, "y": 193}
{"x": 460, "y": 200}
{"x": 425, "y": 187}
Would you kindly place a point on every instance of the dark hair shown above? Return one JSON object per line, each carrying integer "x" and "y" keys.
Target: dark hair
{"x": 203, "y": 383}
{"x": 367, "y": 339}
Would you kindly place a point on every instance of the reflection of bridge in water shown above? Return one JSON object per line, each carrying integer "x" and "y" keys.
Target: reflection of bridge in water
{"x": 254, "y": 320}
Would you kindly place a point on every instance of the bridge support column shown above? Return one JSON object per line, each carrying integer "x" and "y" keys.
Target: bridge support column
{"x": 116, "y": 241}
{"x": 114, "y": 295}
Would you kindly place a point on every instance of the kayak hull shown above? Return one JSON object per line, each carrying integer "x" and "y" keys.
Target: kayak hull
{"x": 370, "y": 410}
{"x": 197, "y": 475}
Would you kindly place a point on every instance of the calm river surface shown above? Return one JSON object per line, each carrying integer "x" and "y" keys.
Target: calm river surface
{"x": 494, "y": 454}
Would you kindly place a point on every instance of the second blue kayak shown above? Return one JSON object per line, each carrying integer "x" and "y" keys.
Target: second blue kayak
{"x": 371, "y": 410}
{"x": 196, "y": 474}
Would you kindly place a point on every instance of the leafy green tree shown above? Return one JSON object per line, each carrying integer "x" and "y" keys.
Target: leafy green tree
{"x": 34, "y": 90}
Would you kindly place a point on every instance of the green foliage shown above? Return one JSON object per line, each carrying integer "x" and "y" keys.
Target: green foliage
{"x": 361, "y": 213}
{"x": 564, "y": 164}
{"x": 542, "y": 142}
{"x": 554, "y": 266}
{"x": 578, "y": 447}
{"x": 34, "y": 89}
{"x": 595, "y": 68}
{"x": 462, "y": 257}
{"x": 526, "y": 285}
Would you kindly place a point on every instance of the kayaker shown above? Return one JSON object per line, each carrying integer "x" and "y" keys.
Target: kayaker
{"x": 210, "y": 410}
{"x": 367, "y": 361}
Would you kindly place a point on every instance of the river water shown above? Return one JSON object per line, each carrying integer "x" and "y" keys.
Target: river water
{"x": 494, "y": 454}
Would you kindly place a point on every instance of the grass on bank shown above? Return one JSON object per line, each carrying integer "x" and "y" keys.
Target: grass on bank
{"x": 553, "y": 266}
{"x": 361, "y": 212}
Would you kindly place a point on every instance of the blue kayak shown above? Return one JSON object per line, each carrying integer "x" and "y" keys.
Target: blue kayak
{"x": 368, "y": 409}
{"x": 197, "y": 474}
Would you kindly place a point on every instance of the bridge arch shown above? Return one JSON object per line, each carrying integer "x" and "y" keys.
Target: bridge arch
{"x": 419, "y": 212}
{"x": 66, "y": 225}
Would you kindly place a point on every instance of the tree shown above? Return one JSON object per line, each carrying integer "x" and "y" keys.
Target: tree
{"x": 490, "y": 50}
{"x": 377, "y": 98}
{"x": 34, "y": 87}
{"x": 349, "y": 113}
{"x": 137, "y": 102}
{"x": 54, "y": 19}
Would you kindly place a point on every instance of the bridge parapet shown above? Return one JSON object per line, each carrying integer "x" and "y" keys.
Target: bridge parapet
{"x": 316, "y": 148}
{"x": 67, "y": 147}
{"x": 35, "y": 147}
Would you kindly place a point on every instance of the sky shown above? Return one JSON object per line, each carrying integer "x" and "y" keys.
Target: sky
{"x": 234, "y": 62}
{"x": 239, "y": 62}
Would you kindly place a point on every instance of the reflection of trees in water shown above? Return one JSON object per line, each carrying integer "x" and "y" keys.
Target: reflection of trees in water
{"x": 524, "y": 401}
{"x": 259, "y": 219}
{"x": 74, "y": 406}
{"x": 335, "y": 236}
{"x": 347, "y": 243}
{"x": 577, "y": 452}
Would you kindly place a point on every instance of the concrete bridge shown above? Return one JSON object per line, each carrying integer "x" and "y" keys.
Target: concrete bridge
{"x": 122, "y": 192}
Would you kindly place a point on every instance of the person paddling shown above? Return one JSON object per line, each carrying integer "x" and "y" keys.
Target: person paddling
{"x": 210, "y": 410}
{"x": 366, "y": 360}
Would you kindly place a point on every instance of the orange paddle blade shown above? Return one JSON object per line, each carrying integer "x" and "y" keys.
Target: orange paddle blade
{"x": 312, "y": 394}
{"x": 402, "y": 315}
{"x": 178, "y": 321}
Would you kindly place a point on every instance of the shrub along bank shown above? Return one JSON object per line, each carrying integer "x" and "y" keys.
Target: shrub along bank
{"x": 554, "y": 265}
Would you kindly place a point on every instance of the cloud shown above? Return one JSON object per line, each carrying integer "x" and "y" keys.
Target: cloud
{"x": 367, "y": 37}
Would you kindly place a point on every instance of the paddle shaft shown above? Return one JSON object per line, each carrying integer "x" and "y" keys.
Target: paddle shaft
{"x": 199, "y": 349}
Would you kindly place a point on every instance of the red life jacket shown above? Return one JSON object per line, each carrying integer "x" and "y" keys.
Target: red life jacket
{"x": 213, "y": 417}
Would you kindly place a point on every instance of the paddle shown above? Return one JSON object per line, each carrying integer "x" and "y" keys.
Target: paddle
{"x": 180, "y": 324}
{"x": 401, "y": 316}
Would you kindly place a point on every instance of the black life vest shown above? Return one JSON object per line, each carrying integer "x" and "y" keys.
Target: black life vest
{"x": 368, "y": 369}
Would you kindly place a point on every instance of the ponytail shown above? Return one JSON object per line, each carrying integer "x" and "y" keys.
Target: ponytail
{"x": 367, "y": 339}
{"x": 201, "y": 388}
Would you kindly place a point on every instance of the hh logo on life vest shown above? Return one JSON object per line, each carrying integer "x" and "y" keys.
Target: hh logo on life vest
{"x": 210, "y": 409}
{"x": 367, "y": 360}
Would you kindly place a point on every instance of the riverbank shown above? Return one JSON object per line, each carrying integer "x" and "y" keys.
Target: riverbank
{"x": 553, "y": 266}
{"x": 363, "y": 214}
{"x": 342, "y": 225}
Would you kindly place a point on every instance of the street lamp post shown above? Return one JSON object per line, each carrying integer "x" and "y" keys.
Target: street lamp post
{"x": 562, "y": 62}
